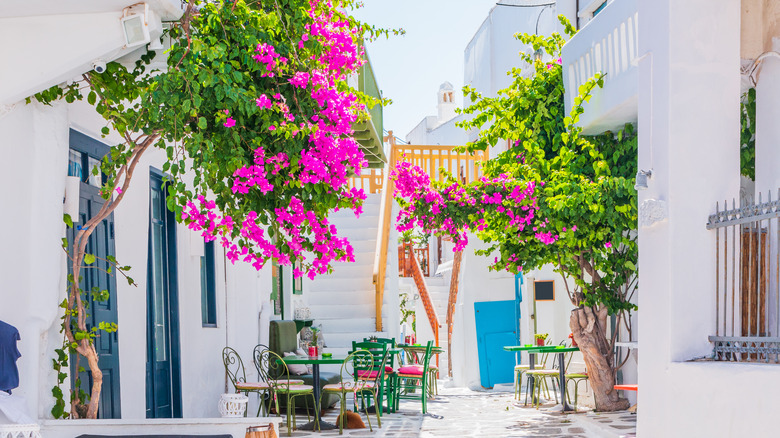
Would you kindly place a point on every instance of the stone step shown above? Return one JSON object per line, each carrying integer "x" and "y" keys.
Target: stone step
{"x": 350, "y": 325}
{"x": 339, "y": 296}
{"x": 352, "y": 271}
{"x": 336, "y": 311}
{"x": 336, "y": 282}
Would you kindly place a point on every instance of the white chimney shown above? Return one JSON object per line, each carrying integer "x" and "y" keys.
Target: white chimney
{"x": 446, "y": 105}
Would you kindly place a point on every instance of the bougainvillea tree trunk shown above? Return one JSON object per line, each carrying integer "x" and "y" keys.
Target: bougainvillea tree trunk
{"x": 589, "y": 327}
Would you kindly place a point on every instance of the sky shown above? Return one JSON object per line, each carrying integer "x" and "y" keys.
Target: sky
{"x": 410, "y": 68}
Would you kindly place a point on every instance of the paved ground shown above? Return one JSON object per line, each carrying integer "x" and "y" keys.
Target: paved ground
{"x": 459, "y": 412}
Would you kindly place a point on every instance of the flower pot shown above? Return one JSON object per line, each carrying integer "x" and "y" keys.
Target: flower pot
{"x": 540, "y": 342}
{"x": 313, "y": 351}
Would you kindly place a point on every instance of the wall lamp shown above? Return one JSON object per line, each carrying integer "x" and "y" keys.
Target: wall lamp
{"x": 135, "y": 25}
{"x": 641, "y": 179}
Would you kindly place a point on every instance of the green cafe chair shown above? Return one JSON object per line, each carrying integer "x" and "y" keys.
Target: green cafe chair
{"x": 359, "y": 374}
{"x": 382, "y": 356}
{"x": 408, "y": 379}
{"x": 271, "y": 364}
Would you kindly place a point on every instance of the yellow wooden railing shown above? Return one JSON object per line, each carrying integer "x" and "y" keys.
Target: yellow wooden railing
{"x": 430, "y": 158}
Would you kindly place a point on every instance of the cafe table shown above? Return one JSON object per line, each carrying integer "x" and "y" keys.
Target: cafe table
{"x": 315, "y": 362}
{"x": 560, "y": 351}
{"x": 414, "y": 351}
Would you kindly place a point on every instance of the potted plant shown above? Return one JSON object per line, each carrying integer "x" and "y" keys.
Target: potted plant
{"x": 540, "y": 338}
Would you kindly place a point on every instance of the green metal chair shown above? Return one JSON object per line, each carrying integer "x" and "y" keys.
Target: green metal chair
{"x": 530, "y": 386}
{"x": 265, "y": 376}
{"x": 577, "y": 378}
{"x": 381, "y": 353}
{"x": 236, "y": 372}
{"x": 359, "y": 374}
{"x": 541, "y": 377}
{"x": 407, "y": 380}
{"x": 271, "y": 364}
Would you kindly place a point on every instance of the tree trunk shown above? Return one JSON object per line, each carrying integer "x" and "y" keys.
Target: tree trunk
{"x": 589, "y": 327}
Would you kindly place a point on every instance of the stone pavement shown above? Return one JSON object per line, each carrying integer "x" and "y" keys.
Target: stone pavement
{"x": 465, "y": 413}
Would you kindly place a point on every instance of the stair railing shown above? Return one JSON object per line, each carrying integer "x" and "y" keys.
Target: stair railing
{"x": 430, "y": 311}
{"x": 383, "y": 233}
{"x": 453, "y": 298}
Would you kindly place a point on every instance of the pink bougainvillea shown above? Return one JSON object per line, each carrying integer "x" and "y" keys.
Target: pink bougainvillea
{"x": 331, "y": 158}
{"x": 454, "y": 210}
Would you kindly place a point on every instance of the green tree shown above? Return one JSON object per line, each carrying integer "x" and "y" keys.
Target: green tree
{"x": 254, "y": 113}
{"x": 554, "y": 197}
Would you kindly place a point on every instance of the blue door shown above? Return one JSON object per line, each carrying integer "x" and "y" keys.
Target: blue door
{"x": 84, "y": 155}
{"x": 163, "y": 376}
{"x": 496, "y": 327}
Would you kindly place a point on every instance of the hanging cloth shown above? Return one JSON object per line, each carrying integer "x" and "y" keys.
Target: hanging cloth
{"x": 9, "y": 374}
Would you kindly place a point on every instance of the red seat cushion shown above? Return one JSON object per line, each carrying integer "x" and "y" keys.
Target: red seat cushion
{"x": 416, "y": 370}
{"x": 388, "y": 369}
{"x": 365, "y": 374}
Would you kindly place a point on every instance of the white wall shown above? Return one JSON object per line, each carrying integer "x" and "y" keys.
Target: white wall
{"x": 689, "y": 137}
{"x": 35, "y": 147}
{"x": 33, "y": 143}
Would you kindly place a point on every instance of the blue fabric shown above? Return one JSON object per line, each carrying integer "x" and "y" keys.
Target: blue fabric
{"x": 9, "y": 374}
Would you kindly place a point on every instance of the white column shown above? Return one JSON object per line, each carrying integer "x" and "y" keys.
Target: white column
{"x": 689, "y": 137}
{"x": 767, "y": 128}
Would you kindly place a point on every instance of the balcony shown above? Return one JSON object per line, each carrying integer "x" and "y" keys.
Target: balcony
{"x": 369, "y": 133}
{"x": 608, "y": 44}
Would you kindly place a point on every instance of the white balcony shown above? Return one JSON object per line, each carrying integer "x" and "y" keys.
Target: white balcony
{"x": 607, "y": 44}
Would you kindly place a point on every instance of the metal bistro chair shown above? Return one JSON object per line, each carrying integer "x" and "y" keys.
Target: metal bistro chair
{"x": 264, "y": 370}
{"x": 541, "y": 377}
{"x": 381, "y": 353}
{"x": 359, "y": 374}
{"x": 236, "y": 372}
{"x": 412, "y": 377}
{"x": 283, "y": 385}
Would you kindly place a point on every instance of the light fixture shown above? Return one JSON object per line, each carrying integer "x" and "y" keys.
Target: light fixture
{"x": 136, "y": 26}
{"x": 538, "y": 53}
{"x": 641, "y": 179}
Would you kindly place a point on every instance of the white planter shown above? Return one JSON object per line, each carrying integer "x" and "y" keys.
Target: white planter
{"x": 233, "y": 405}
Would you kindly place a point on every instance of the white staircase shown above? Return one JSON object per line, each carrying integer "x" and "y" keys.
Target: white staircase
{"x": 344, "y": 301}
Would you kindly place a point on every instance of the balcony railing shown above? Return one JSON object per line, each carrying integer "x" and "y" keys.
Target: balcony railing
{"x": 465, "y": 167}
{"x": 747, "y": 310}
{"x": 608, "y": 44}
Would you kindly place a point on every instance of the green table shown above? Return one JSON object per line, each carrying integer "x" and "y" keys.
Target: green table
{"x": 315, "y": 362}
{"x": 532, "y": 350}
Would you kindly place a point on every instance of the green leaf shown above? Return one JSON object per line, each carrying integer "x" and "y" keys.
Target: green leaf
{"x": 69, "y": 222}
{"x": 89, "y": 259}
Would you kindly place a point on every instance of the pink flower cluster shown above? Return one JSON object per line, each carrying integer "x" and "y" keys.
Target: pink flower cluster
{"x": 331, "y": 158}
{"x": 459, "y": 208}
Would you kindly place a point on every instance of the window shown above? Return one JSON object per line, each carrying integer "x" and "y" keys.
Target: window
{"x": 208, "y": 286}
{"x": 277, "y": 288}
{"x": 599, "y": 9}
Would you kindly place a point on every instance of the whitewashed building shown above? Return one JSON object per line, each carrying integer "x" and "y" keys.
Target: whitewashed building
{"x": 165, "y": 360}
{"x": 709, "y": 301}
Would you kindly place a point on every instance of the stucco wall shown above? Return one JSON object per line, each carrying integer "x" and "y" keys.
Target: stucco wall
{"x": 35, "y": 147}
{"x": 689, "y": 137}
